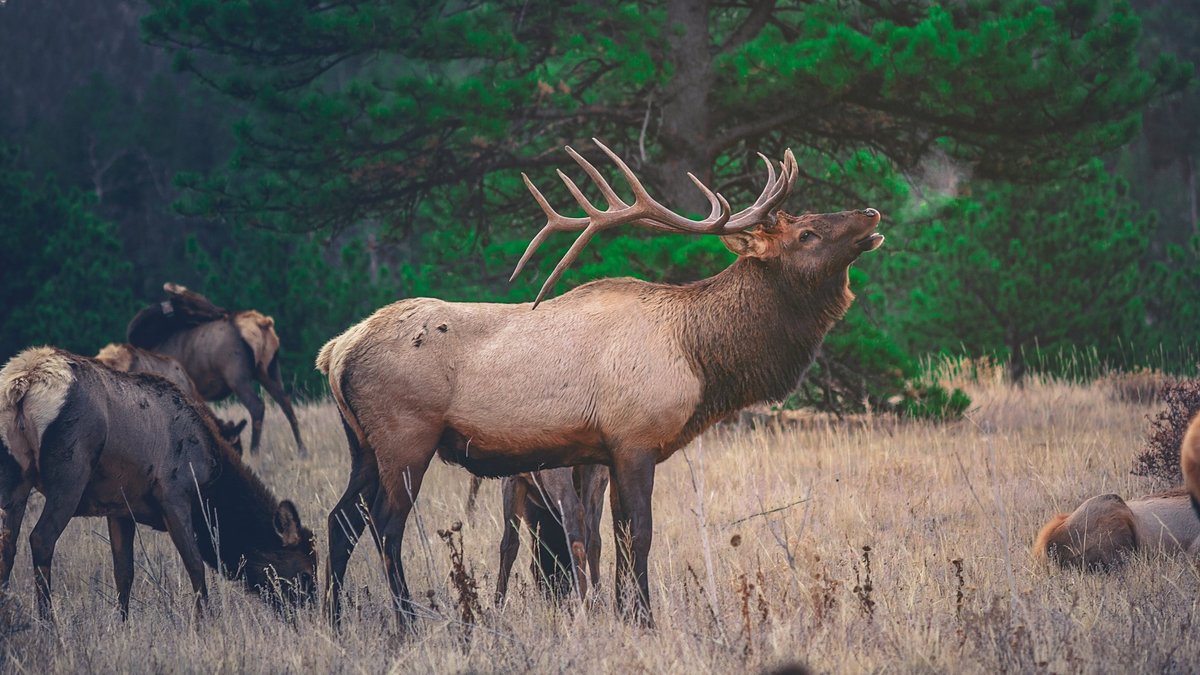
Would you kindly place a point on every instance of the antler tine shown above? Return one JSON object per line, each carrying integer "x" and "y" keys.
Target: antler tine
{"x": 571, "y": 255}
{"x": 775, "y": 191}
{"x": 610, "y": 195}
{"x": 555, "y": 222}
{"x": 649, "y": 208}
{"x": 719, "y": 213}
{"x": 770, "y": 179}
{"x": 644, "y": 211}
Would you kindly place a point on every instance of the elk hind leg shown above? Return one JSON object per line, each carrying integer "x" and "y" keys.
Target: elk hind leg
{"x": 272, "y": 381}
{"x": 243, "y": 389}
{"x": 12, "y": 513}
{"x": 347, "y": 521}
{"x": 67, "y": 453}
{"x": 403, "y": 459}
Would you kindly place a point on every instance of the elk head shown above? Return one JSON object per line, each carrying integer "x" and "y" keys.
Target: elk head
{"x": 811, "y": 246}
{"x": 285, "y": 569}
{"x": 232, "y": 433}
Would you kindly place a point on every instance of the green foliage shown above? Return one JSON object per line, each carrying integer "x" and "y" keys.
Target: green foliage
{"x": 1012, "y": 270}
{"x": 933, "y": 402}
{"x": 367, "y": 110}
{"x": 1173, "y": 297}
{"x": 311, "y": 295}
{"x": 66, "y": 282}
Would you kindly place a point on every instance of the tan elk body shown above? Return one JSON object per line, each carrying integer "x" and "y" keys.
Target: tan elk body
{"x": 617, "y": 372}
{"x": 1106, "y": 529}
{"x": 1189, "y": 462}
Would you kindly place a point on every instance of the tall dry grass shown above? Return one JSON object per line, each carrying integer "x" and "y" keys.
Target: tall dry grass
{"x": 759, "y": 559}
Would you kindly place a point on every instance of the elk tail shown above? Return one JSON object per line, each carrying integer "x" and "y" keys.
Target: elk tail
{"x": 258, "y": 330}
{"x": 1189, "y": 462}
{"x": 33, "y": 388}
{"x": 1047, "y": 536}
{"x": 332, "y": 362}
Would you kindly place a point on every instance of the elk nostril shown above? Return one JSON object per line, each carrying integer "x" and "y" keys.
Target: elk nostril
{"x": 870, "y": 213}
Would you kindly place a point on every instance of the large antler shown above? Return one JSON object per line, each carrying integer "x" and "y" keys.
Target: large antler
{"x": 645, "y": 211}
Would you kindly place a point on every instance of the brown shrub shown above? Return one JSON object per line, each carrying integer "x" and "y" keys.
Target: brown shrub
{"x": 1144, "y": 385}
{"x": 1160, "y": 454}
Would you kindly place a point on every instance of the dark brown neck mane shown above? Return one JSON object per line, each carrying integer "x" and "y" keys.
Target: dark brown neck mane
{"x": 241, "y": 509}
{"x": 751, "y": 332}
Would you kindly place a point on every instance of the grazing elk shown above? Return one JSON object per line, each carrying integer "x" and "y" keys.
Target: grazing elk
{"x": 1189, "y": 462}
{"x": 133, "y": 448}
{"x": 562, "y": 509}
{"x": 1106, "y": 529}
{"x": 223, "y": 352}
{"x": 129, "y": 359}
{"x": 619, "y": 372}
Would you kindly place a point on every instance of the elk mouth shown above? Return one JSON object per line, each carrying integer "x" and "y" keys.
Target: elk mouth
{"x": 870, "y": 242}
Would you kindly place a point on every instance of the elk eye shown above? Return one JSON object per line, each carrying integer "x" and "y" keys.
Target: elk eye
{"x": 805, "y": 236}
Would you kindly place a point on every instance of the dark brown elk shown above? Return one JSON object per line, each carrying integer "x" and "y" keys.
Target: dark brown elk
{"x": 223, "y": 352}
{"x": 129, "y": 359}
{"x": 617, "y": 372}
{"x": 562, "y": 509}
{"x": 132, "y": 448}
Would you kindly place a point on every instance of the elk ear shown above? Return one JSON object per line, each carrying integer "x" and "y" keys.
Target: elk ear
{"x": 287, "y": 523}
{"x": 753, "y": 243}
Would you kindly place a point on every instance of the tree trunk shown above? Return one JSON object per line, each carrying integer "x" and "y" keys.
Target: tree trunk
{"x": 685, "y": 130}
{"x": 1189, "y": 178}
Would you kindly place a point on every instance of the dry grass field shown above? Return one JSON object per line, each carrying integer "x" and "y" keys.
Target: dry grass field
{"x": 758, "y": 560}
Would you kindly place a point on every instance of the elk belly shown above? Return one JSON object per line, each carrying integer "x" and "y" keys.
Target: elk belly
{"x": 483, "y": 458}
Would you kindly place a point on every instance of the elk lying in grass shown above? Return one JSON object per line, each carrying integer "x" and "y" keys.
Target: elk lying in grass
{"x": 617, "y": 372}
{"x": 133, "y": 448}
{"x": 562, "y": 509}
{"x": 223, "y": 352}
{"x": 129, "y": 359}
{"x": 1189, "y": 462}
{"x": 1106, "y": 529}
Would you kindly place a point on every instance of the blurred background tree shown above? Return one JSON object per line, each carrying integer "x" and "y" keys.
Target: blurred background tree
{"x": 328, "y": 157}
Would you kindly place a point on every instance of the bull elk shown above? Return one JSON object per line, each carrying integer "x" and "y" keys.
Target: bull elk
{"x": 132, "y": 448}
{"x": 619, "y": 372}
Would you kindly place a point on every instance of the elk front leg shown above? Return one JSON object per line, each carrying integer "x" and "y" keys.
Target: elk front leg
{"x": 120, "y": 538}
{"x": 631, "y": 488}
{"x": 178, "y": 517}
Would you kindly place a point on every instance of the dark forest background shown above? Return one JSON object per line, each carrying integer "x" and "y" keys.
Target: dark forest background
{"x": 1035, "y": 162}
